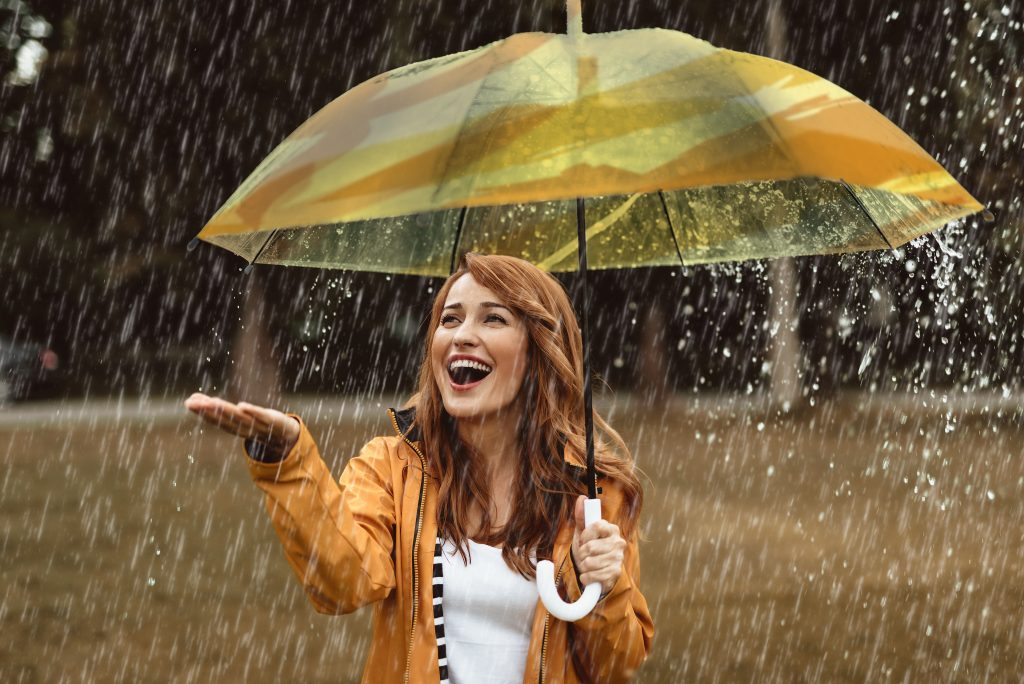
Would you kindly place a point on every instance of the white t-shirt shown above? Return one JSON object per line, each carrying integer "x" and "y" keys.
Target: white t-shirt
{"x": 488, "y": 616}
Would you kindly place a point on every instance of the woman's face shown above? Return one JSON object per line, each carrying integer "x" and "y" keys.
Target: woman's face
{"x": 479, "y": 351}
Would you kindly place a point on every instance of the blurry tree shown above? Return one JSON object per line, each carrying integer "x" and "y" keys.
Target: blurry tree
{"x": 22, "y": 54}
{"x": 25, "y": 137}
{"x": 653, "y": 360}
{"x": 255, "y": 367}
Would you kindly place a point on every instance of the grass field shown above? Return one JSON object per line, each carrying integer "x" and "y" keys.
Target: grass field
{"x": 839, "y": 545}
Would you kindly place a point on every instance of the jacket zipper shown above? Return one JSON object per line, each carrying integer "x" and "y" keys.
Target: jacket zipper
{"x": 544, "y": 640}
{"x": 415, "y": 544}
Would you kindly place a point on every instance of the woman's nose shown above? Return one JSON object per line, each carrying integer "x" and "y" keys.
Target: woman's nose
{"x": 465, "y": 335}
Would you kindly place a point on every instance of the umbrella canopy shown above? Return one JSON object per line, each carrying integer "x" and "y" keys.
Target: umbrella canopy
{"x": 685, "y": 153}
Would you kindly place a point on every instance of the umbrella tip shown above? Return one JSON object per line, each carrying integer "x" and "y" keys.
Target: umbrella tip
{"x": 192, "y": 244}
{"x": 987, "y": 216}
{"x": 247, "y": 270}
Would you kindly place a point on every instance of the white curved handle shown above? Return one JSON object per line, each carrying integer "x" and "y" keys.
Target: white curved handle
{"x": 569, "y": 612}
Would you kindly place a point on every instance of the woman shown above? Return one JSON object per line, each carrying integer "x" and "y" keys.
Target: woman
{"x": 440, "y": 525}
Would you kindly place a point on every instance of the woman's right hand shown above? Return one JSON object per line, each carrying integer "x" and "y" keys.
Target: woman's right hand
{"x": 278, "y": 432}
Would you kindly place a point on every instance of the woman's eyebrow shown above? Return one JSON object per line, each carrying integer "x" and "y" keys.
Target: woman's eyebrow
{"x": 486, "y": 305}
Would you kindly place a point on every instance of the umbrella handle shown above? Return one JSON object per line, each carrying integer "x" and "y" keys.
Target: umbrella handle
{"x": 569, "y": 612}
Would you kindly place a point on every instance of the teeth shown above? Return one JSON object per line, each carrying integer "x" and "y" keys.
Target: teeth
{"x": 466, "y": 363}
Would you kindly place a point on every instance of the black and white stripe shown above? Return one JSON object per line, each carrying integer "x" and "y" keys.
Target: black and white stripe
{"x": 437, "y": 587}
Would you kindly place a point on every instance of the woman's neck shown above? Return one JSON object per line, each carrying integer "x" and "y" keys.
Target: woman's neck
{"x": 494, "y": 440}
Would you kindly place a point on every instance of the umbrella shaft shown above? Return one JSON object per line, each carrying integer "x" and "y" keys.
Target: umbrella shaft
{"x": 574, "y": 18}
{"x": 588, "y": 401}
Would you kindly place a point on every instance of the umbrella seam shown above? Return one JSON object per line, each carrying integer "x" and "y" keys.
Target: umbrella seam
{"x": 765, "y": 120}
{"x": 458, "y": 237}
{"x": 263, "y": 248}
{"x": 866, "y": 212}
{"x": 671, "y": 231}
{"x": 550, "y": 78}
{"x": 458, "y": 138}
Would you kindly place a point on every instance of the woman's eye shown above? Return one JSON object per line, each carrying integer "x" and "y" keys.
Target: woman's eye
{"x": 495, "y": 317}
{"x": 448, "y": 319}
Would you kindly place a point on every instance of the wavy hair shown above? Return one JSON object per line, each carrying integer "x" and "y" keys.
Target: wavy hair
{"x": 543, "y": 494}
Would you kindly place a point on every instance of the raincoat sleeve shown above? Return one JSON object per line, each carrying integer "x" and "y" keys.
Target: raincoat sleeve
{"x": 610, "y": 643}
{"x": 337, "y": 535}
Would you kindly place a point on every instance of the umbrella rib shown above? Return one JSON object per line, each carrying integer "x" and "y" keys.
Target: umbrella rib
{"x": 458, "y": 238}
{"x": 458, "y": 139}
{"x": 865, "y": 210}
{"x": 668, "y": 218}
{"x": 262, "y": 249}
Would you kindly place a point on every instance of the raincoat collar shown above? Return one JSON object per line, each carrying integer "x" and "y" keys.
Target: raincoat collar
{"x": 405, "y": 420}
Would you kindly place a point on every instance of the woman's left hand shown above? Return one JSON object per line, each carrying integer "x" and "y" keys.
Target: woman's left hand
{"x": 597, "y": 550}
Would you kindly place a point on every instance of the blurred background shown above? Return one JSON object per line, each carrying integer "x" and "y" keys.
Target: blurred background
{"x": 123, "y": 128}
{"x": 810, "y": 416}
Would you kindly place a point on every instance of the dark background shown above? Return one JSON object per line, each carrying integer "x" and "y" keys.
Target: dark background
{"x": 155, "y": 112}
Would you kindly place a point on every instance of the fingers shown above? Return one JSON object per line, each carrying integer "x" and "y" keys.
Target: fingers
{"x": 606, "y": 578}
{"x": 599, "y": 537}
{"x": 197, "y": 401}
{"x": 264, "y": 414}
{"x": 604, "y": 569}
{"x": 271, "y": 427}
{"x": 578, "y": 513}
{"x": 600, "y": 549}
{"x": 599, "y": 530}
{"x": 226, "y": 416}
{"x": 229, "y": 418}
{"x": 599, "y": 553}
{"x": 260, "y": 416}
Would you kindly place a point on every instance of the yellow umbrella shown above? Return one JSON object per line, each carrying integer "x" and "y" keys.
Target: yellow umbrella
{"x": 685, "y": 152}
{"x": 655, "y": 147}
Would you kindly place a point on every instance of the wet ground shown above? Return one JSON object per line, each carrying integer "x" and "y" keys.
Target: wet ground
{"x": 850, "y": 543}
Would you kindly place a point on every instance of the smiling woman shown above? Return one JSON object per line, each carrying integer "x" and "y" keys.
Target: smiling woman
{"x": 484, "y": 473}
{"x": 478, "y": 352}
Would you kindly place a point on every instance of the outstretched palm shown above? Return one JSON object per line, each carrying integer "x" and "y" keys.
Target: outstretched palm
{"x": 276, "y": 430}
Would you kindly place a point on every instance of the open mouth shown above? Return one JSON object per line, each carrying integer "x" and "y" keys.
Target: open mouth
{"x": 465, "y": 373}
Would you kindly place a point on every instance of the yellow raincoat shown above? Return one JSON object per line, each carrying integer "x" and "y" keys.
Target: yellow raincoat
{"x": 369, "y": 538}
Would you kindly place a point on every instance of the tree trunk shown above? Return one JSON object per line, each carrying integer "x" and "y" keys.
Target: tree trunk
{"x": 653, "y": 360}
{"x": 255, "y": 373}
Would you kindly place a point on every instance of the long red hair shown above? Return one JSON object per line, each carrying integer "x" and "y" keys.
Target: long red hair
{"x": 545, "y": 489}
